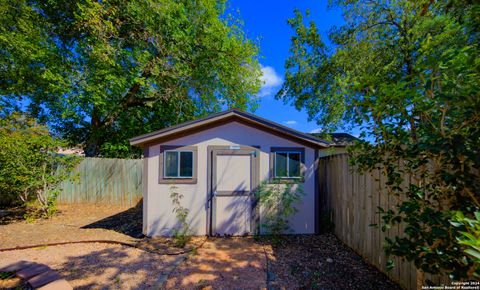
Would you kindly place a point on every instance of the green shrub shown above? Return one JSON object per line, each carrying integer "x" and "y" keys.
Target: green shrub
{"x": 278, "y": 200}
{"x": 30, "y": 169}
{"x": 181, "y": 235}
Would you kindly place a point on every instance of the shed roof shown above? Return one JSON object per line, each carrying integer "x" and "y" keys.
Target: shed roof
{"x": 338, "y": 139}
{"x": 233, "y": 115}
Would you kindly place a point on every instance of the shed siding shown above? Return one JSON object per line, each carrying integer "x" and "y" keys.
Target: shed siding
{"x": 159, "y": 218}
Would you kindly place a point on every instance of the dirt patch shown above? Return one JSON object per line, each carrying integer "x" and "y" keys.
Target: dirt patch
{"x": 299, "y": 262}
{"x": 127, "y": 222}
{"x": 86, "y": 222}
{"x": 222, "y": 263}
{"x": 166, "y": 246}
{"x": 75, "y": 223}
{"x": 97, "y": 266}
{"x": 320, "y": 262}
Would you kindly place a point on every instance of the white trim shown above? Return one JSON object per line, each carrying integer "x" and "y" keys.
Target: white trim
{"x": 178, "y": 165}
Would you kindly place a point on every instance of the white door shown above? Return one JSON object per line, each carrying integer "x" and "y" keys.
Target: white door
{"x": 233, "y": 180}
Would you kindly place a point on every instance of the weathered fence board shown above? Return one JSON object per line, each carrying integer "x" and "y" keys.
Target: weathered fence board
{"x": 104, "y": 181}
{"x": 352, "y": 200}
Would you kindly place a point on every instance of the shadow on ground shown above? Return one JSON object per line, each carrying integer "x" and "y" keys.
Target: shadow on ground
{"x": 98, "y": 266}
{"x": 128, "y": 222}
{"x": 113, "y": 268}
{"x": 320, "y": 262}
{"x": 222, "y": 263}
{"x": 12, "y": 215}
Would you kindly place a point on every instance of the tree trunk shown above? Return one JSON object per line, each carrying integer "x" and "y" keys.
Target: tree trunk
{"x": 93, "y": 143}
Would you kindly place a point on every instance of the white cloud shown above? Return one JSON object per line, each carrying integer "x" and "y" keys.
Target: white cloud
{"x": 317, "y": 130}
{"x": 291, "y": 123}
{"x": 271, "y": 81}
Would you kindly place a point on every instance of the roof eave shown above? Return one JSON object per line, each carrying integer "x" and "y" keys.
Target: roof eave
{"x": 157, "y": 136}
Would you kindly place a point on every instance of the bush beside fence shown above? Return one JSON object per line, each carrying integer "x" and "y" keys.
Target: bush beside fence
{"x": 351, "y": 200}
{"x": 104, "y": 181}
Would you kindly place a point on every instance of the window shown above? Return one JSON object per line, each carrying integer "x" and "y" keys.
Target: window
{"x": 287, "y": 164}
{"x": 178, "y": 164}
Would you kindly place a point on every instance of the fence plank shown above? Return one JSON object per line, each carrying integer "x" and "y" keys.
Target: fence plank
{"x": 104, "y": 181}
{"x": 353, "y": 199}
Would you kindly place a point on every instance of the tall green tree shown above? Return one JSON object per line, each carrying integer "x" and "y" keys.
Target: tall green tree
{"x": 408, "y": 73}
{"x": 100, "y": 72}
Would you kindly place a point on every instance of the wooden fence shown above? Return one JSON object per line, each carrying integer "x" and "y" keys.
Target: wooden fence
{"x": 105, "y": 181}
{"x": 352, "y": 200}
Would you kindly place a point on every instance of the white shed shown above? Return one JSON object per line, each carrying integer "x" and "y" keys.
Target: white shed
{"x": 216, "y": 163}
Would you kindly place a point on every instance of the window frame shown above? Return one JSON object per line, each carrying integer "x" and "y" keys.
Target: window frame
{"x": 178, "y": 165}
{"x": 273, "y": 164}
{"x": 288, "y": 165}
{"x": 163, "y": 179}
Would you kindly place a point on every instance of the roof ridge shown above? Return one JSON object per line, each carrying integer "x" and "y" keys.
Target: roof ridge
{"x": 141, "y": 139}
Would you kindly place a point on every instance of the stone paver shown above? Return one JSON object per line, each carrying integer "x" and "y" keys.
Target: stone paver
{"x": 44, "y": 278}
{"x": 37, "y": 275}
{"x": 32, "y": 270}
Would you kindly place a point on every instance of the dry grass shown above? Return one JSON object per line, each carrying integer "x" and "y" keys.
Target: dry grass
{"x": 74, "y": 223}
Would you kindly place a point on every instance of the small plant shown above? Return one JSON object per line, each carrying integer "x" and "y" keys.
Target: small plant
{"x": 278, "y": 200}
{"x": 7, "y": 275}
{"x": 194, "y": 252}
{"x": 181, "y": 236}
{"x": 470, "y": 239}
{"x": 29, "y": 219}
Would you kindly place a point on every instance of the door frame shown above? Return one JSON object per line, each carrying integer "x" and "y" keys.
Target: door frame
{"x": 213, "y": 151}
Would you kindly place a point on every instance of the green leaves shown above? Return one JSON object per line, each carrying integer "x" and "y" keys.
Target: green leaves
{"x": 278, "y": 201}
{"x": 181, "y": 235}
{"x": 407, "y": 73}
{"x": 103, "y": 72}
{"x": 469, "y": 238}
{"x": 31, "y": 170}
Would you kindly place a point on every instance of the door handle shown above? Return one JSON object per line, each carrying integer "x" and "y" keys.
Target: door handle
{"x": 211, "y": 197}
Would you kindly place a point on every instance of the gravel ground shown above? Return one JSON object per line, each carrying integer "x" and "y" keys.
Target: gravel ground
{"x": 222, "y": 263}
{"x": 299, "y": 262}
{"x": 97, "y": 266}
{"x": 166, "y": 246}
{"x": 320, "y": 262}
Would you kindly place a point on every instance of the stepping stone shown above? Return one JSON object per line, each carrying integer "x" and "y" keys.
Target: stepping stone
{"x": 31, "y": 271}
{"x": 57, "y": 285}
{"x": 16, "y": 266}
{"x": 44, "y": 278}
{"x": 39, "y": 276}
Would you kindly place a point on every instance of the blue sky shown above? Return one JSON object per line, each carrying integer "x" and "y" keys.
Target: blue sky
{"x": 266, "y": 20}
